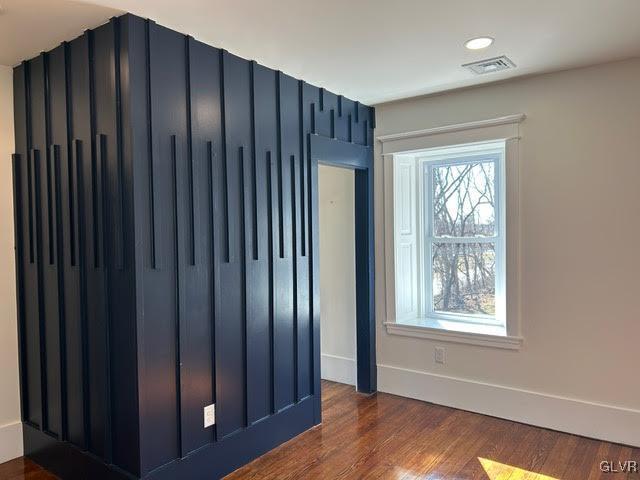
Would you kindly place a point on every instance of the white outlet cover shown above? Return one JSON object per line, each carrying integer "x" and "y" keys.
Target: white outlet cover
{"x": 209, "y": 415}
{"x": 440, "y": 355}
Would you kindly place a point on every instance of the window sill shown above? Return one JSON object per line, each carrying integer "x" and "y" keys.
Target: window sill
{"x": 457, "y": 336}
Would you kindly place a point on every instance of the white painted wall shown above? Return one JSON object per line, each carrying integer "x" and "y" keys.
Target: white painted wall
{"x": 580, "y": 263}
{"x": 10, "y": 426}
{"x": 337, "y": 274}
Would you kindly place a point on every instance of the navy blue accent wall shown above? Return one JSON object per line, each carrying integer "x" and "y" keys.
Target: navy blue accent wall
{"x": 164, "y": 199}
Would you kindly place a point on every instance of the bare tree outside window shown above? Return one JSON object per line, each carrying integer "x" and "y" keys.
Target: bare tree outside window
{"x": 463, "y": 272}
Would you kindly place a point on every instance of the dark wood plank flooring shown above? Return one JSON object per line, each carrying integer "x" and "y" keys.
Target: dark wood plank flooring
{"x": 388, "y": 437}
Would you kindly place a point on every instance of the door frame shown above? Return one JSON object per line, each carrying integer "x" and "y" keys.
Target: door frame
{"x": 329, "y": 151}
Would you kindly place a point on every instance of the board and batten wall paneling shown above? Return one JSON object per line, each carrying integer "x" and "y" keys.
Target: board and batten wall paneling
{"x": 160, "y": 379}
{"x": 27, "y": 269}
{"x": 284, "y": 293}
{"x": 260, "y": 347}
{"x": 45, "y": 245}
{"x": 244, "y": 181}
{"x": 121, "y": 272}
{"x": 196, "y": 250}
{"x": 57, "y": 148}
{"x": 75, "y": 288}
{"x": 78, "y": 166}
{"x": 165, "y": 257}
{"x": 231, "y": 371}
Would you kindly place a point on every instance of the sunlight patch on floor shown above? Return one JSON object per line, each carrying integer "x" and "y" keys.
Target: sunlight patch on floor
{"x": 500, "y": 471}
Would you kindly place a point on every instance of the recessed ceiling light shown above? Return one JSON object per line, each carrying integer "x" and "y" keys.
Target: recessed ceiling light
{"x": 478, "y": 43}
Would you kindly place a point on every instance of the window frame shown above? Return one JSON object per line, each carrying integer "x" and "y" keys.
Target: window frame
{"x": 393, "y": 147}
{"x": 493, "y": 152}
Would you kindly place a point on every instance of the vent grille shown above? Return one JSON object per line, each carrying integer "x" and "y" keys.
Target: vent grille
{"x": 490, "y": 65}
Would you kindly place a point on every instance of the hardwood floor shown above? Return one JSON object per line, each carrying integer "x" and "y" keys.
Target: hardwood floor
{"x": 388, "y": 437}
{"x": 23, "y": 468}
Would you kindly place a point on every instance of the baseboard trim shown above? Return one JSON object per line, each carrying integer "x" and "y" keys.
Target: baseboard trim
{"x": 212, "y": 461}
{"x": 338, "y": 369}
{"x": 594, "y": 420}
{"x": 10, "y": 441}
{"x": 66, "y": 460}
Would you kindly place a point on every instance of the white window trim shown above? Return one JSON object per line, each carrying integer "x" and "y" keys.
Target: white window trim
{"x": 492, "y": 130}
{"x": 508, "y": 342}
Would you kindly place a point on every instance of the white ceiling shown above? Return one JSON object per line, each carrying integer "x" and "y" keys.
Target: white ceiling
{"x": 28, "y": 27}
{"x": 368, "y": 50}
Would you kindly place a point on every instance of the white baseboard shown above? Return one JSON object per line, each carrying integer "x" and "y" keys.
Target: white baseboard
{"x": 604, "y": 422}
{"x": 338, "y": 369}
{"x": 10, "y": 441}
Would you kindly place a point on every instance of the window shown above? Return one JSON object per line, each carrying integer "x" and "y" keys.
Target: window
{"x": 449, "y": 238}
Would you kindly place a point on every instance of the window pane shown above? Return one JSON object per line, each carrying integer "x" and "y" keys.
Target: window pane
{"x": 464, "y": 278}
{"x": 463, "y": 200}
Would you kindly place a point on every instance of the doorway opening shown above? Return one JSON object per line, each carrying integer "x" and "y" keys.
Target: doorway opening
{"x": 336, "y": 205}
{"x": 358, "y": 159}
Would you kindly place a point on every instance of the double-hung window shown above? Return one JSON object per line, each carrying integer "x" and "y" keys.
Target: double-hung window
{"x": 450, "y": 238}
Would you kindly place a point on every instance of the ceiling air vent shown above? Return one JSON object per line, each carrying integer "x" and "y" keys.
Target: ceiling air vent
{"x": 490, "y": 65}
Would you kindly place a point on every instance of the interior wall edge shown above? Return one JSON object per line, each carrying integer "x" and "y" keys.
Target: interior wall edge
{"x": 10, "y": 441}
{"x": 10, "y": 431}
{"x": 338, "y": 369}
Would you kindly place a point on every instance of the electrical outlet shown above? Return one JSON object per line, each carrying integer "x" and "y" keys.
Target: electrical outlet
{"x": 209, "y": 415}
{"x": 439, "y": 354}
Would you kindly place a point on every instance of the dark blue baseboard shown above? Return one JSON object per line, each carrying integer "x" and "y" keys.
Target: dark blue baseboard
{"x": 208, "y": 463}
{"x": 65, "y": 459}
{"x": 219, "y": 459}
